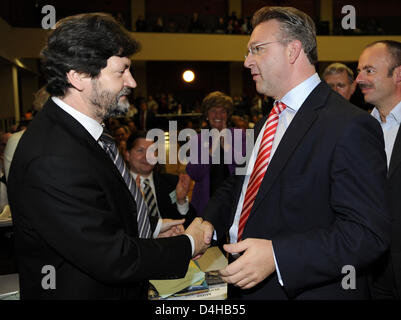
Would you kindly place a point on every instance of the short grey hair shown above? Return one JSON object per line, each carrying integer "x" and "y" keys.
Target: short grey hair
{"x": 336, "y": 68}
{"x": 294, "y": 25}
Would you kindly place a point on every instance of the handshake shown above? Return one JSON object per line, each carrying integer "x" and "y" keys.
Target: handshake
{"x": 200, "y": 231}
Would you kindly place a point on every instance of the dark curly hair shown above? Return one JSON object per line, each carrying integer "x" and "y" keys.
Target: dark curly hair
{"x": 83, "y": 43}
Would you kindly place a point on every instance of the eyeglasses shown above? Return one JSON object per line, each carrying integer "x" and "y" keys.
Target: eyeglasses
{"x": 256, "y": 50}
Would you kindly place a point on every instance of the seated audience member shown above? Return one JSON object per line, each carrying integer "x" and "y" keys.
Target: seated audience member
{"x": 140, "y": 24}
{"x": 131, "y": 125}
{"x": 121, "y": 135}
{"x": 152, "y": 104}
{"x": 112, "y": 124}
{"x": 145, "y": 118}
{"x": 159, "y": 27}
{"x": 195, "y": 26}
{"x": 341, "y": 79}
{"x": 220, "y": 26}
{"x": 132, "y": 111}
{"x": 165, "y": 194}
{"x": 246, "y": 27}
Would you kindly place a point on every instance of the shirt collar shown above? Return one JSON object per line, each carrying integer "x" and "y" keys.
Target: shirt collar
{"x": 91, "y": 125}
{"x": 150, "y": 177}
{"x": 297, "y": 96}
{"x": 395, "y": 113}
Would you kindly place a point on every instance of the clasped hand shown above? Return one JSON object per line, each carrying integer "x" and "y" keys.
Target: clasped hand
{"x": 171, "y": 228}
{"x": 202, "y": 232}
{"x": 253, "y": 266}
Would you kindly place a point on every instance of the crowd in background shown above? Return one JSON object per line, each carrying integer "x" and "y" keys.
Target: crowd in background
{"x": 196, "y": 24}
{"x": 232, "y": 24}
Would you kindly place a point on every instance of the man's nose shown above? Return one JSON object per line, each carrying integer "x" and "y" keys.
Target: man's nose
{"x": 129, "y": 81}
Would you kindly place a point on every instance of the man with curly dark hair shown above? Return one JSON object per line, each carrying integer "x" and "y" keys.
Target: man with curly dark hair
{"x": 78, "y": 231}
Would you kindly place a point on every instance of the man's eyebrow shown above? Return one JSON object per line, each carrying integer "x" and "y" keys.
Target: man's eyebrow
{"x": 368, "y": 66}
{"x": 253, "y": 43}
{"x": 365, "y": 67}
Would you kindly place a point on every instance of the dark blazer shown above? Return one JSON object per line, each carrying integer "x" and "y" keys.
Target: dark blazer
{"x": 322, "y": 201}
{"x": 387, "y": 278}
{"x": 72, "y": 210}
{"x": 165, "y": 184}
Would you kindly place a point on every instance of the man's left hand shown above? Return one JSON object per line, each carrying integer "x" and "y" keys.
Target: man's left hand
{"x": 253, "y": 266}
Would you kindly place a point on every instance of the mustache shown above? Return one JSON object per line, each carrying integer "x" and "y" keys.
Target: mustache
{"x": 365, "y": 85}
{"x": 124, "y": 92}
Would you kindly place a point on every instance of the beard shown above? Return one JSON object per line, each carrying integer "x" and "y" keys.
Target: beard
{"x": 108, "y": 104}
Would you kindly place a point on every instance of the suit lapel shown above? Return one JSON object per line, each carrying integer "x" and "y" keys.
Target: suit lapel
{"x": 82, "y": 136}
{"x": 302, "y": 122}
{"x": 395, "y": 155}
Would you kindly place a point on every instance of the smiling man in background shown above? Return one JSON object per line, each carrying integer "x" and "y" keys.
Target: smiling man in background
{"x": 379, "y": 78}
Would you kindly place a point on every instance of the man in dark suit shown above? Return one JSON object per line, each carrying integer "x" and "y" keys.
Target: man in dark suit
{"x": 380, "y": 81}
{"x": 75, "y": 219}
{"x": 310, "y": 215}
{"x": 169, "y": 191}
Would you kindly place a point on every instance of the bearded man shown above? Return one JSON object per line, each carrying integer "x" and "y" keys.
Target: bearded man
{"x": 81, "y": 231}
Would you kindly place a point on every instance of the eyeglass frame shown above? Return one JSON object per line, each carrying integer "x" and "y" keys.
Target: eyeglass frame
{"x": 251, "y": 49}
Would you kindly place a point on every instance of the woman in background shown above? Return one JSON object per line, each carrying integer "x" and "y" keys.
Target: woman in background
{"x": 217, "y": 108}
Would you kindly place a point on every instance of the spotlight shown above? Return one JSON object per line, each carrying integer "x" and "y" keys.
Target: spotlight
{"x": 188, "y": 76}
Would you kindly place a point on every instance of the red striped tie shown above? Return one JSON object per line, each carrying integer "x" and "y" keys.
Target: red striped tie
{"x": 260, "y": 166}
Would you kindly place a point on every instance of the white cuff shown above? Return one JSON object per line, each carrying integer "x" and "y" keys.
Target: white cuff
{"x": 277, "y": 269}
{"x": 192, "y": 244}
{"x": 183, "y": 208}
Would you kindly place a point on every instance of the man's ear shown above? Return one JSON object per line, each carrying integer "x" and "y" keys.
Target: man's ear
{"x": 77, "y": 79}
{"x": 294, "y": 50}
{"x": 397, "y": 74}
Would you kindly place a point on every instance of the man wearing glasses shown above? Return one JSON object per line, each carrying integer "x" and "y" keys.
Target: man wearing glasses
{"x": 312, "y": 203}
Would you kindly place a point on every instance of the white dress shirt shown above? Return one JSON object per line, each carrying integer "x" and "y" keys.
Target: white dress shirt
{"x": 293, "y": 100}
{"x": 91, "y": 125}
{"x": 390, "y": 128}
